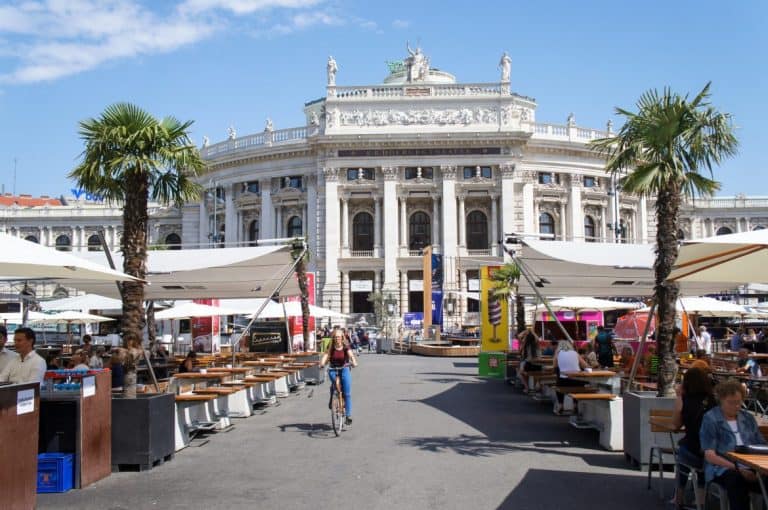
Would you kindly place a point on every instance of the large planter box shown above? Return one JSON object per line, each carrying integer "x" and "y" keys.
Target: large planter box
{"x": 638, "y": 437}
{"x": 142, "y": 430}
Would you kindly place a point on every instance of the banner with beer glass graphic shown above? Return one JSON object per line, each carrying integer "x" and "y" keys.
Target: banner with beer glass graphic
{"x": 437, "y": 289}
{"x": 494, "y": 314}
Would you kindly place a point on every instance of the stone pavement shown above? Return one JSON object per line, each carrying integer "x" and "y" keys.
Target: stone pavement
{"x": 427, "y": 434}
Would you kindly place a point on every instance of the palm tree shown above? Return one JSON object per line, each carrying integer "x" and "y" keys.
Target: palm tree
{"x": 130, "y": 157}
{"x": 505, "y": 285}
{"x": 664, "y": 151}
{"x": 301, "y": 255}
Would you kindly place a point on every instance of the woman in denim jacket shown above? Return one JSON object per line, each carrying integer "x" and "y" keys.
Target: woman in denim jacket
{"x": 723, "y": 429}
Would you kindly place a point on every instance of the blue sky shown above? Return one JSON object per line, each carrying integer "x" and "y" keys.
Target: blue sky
{"x": 222, "y": 62}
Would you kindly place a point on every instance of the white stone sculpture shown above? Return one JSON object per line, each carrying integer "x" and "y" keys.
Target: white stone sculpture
{"x": 417, "y": 64}
{"x": 313, "y": 119}
{"x": 268, "y": 127}
{"x": 231, "y": 133}
{"x": 332, "y": 68}
{"x": 206, "y": 141}
{"x": 505, "y": 64}
{"x": 571, "y": 121}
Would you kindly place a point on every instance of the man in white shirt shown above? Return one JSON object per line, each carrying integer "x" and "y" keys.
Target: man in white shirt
{"x": 29, "y": 367}
{"x": 6, "y": 356}
{"x": 704, "y": 342}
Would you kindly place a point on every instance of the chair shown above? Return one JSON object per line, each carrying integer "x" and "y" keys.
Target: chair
{"x": 661, "y": 421}
{"x": 716, "y": 490}
{"x": 693, "y": 478}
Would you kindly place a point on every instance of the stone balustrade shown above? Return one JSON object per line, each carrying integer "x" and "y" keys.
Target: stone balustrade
{"x": 263, "y": 139}
{"x": 417, "y": 90}
{"x": 545, "y": 131}
{"x": 728, "y": 203}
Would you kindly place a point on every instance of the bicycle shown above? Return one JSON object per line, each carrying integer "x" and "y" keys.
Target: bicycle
{"x": 338, "y": 407}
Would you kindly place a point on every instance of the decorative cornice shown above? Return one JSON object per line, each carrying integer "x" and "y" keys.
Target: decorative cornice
{"x": 507, "y": 171}
{"x": 331, "y": 174}
{"x": 391, "y": 173}
{"x": 448, "y": 172}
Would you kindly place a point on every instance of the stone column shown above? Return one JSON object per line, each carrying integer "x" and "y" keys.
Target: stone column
{"x": 403, "y": 222}
{"x": 642, "y": 221}
{"x": 563, "y": 223}
{"x": 530, "y": 218}
{"x": 575, "y": 211}
{"x": 279, "y": 231}
{"x": 390, "y": 225}
{"x": 344, "y": 224}
{"x": 266, "y": 220}
{"x": 603, "y": 227}
{"x": 494, "y": 226}
{"x": 310, "y": 230}
{"x": 41, "y": 235}
{"x": 377, "y": 226}
{"x": 304, "y": 226}
{"x": 463, "y": 288}
{"x": 507, "y": 199}
{"x": 376, "y": 282}
{"x": 462, "y": 219}
{"x": 435, "y": 222}
{"x": 403, "y": 292}
{"x": 331, "y": 288}
{"x": 230, "y": 216}
{"x": 344, "y": 292}
{"x": 448, "y": 222}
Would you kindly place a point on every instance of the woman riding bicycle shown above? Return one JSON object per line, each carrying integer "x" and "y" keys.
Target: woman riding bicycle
{"x": 340, "y": 357}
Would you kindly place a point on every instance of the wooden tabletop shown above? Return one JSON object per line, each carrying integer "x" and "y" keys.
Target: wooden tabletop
{"x": 197, "y": 375}
{"x": 262, "y": 363}
{"x": 755, "y": 461}
{"x": 233, "y": 370}
{"x": 193, "y": 397}
{"x": 216, "y": 391}
{"x": 594, "y": 373}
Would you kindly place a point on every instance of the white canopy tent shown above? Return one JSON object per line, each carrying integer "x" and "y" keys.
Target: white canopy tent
{"x": 84, "y": 302}
{"x": 71, "y": 317}
{"x": 708, "y": 307}
{"x": 567, "y": 268}
{"x": 734, "y": 258}
{"x": 23, "y": 260}
{"x": 188, "y": 310}
{"x": 293, "y": 309}
{"x": 16, "y": 317}
{"x": 224, "y": 273}
{"x": 581, "y": 303}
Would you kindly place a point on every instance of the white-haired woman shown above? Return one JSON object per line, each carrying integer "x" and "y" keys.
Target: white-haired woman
{"x": 567, "y": 360}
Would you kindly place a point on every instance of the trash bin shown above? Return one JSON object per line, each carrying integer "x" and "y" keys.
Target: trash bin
{"x": 492, "y": 364}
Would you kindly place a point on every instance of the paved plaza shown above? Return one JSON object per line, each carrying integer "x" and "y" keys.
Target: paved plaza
{"x": 427, "y": 433}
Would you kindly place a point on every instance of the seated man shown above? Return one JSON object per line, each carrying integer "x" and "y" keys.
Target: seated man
{"x": 29, "y": 366}
{"x": 748, "y": 365}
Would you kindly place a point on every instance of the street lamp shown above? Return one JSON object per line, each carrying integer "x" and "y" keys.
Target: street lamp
{"x": 450, "y": 305}
{"x": 389, "y": 310}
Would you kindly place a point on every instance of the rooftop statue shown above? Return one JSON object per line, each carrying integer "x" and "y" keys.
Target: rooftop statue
{"x": 268, "y": 126}
{"x": 206, "y": 141}
{"x": 417, "y": 64}
{"x": 231, "y": 133}
{"x": 332, "y": 68}
{"x": 505, "y": 64}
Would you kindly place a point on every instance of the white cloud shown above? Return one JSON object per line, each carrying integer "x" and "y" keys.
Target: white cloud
{"x": 401, "y": 24}
{"x": 50, "y": 39}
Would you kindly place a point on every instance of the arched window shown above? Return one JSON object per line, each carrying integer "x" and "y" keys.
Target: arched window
{"x": 94, "y": 243}
{"x": 547, "y": 226}
{"x": 419, "y": 231}
{"x": 253, "y": 232}
{"x": 63, "y": 243}
{"x": 680, "y": 235}
{"x": 623, "y": 232}
{"x": 294, "y": 227}
{"x": 32, "y": 239}
{"x": 723, "y": 231}
{"x": 589, "y": 229}
{"x": 477, "y": 231}
{"x": 362, "y": 232}
{"x": 173, "y": 241}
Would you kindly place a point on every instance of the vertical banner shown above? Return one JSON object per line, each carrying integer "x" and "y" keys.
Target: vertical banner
{"x": 206, "y": 336}
{"x": 295, "y": 323}
{"x": 437, "y": 290}
{"x": 494, "y": 319}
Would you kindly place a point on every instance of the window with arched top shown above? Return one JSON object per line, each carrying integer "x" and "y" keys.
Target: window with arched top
{"x": 253, "y": 232}
{"x": 173, "y": 241}
{"x": 547, "y": 226}
{"x": 623, "y": 232}
{"x": 419, "y": 231}
{"x": 63, "y": 243}
{"x": 589, "y": 229}
{"x": 362, "y": 232}
{"x": 32, "y": 239}
{"x": 477, "y": 231}
{"x": 94, "y": 243}
{"x": 723, "y": 231}
{"x": 681, "y": 235}
{"x": 294, "y": 227}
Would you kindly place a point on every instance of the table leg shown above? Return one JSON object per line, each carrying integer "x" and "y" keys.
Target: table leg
{"x": 762, "y": 487}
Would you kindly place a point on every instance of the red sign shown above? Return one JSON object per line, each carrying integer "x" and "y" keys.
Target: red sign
{"x": 205, "y": 329}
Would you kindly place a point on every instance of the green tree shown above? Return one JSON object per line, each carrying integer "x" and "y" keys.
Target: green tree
{"x": 666, "y": 151}
{"x": 300, "y": 254}
{"x": 505, "y": 281}
{"x": 130, "y": 157}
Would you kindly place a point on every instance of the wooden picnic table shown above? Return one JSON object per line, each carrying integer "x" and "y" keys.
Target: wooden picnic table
{"x": 232, "y": 370}
{"x": 754, "y": 461}
{"x": 198, "y": 375}
{"x": 263, "y": 363}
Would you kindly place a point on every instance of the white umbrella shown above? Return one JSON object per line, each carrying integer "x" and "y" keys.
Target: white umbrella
{"x": 20, "y": 259}
{"x": 189, "y": 310}
{"x": 72, "y": 316}
{"x": 16, "y": 317}
{"x": 580, "y": 304}
{"x": 708, "y": 307}
{"x": 293, "y": 309}
{"x": 84, "y": 302}
{"x": 735, "y": 258}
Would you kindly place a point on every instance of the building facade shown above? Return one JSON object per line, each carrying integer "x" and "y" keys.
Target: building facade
{"x": 378, "y": 172}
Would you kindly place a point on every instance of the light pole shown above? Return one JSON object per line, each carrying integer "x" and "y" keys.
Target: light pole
{"x": 389, "y": 307}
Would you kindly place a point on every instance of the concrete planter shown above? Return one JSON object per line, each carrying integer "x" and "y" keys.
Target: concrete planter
{"x": 142, "y": 430}
{"x": 638, "y": 437}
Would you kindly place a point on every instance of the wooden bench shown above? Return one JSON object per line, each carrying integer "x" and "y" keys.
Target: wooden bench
{"x": 594, "y": 396}
{"x": 193, "y": 416}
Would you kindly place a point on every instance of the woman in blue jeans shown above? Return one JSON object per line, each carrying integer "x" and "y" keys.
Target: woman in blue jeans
{"x": 340, "y": 356}
{"x": 694, "y": 399}
{"x": 723, "y": 429}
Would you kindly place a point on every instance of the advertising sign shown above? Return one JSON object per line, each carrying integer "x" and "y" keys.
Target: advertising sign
{"x": 437, "y": 289}
{"x": 413, "y": 320}
{"x": 206, "y": 336}
{"x": 494, "y": 314}
{"x": 295, "y": 323}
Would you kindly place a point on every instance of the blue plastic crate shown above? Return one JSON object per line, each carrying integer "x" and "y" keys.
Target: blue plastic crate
{"x": 54, "y": 472}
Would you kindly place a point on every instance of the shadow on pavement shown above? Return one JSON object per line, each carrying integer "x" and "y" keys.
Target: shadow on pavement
{"x": 314, "y": 430}
{"x": 541, "y": 489}
{"x": 468, "y": 364}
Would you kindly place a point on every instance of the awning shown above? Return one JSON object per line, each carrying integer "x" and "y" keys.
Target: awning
{"x": 581, "y": 304}
{"x": 707, "y": 307}
{"x": 223, "y": 273}
{"x": 566, "y": 268}
{"x": 84, "y": 302}
{"x": 734, "y": 258}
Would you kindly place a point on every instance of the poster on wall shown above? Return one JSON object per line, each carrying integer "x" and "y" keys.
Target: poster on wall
{"x": 206, "y": 335}
{"x": 437, "y": 289}
{"x": 295, "y": 322}
{"x": 494, "y": 315}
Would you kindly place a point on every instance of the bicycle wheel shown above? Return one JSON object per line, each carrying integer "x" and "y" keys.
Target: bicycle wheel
{"x": 337, "y": 419}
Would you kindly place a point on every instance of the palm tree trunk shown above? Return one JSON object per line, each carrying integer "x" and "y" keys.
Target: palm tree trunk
{"x": 134, "y": 247}
{"x": 301, "y": 276}
{"x": 665, "y": 293}
{"x": 519, "y": 312}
